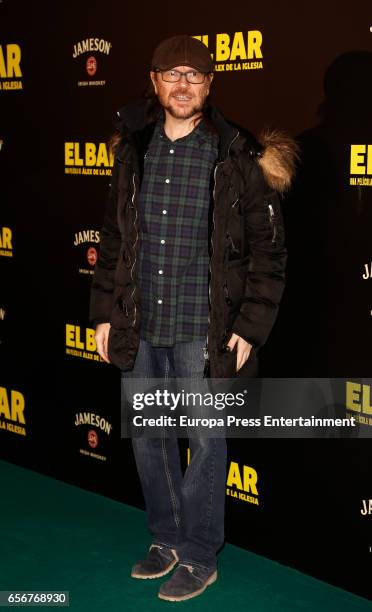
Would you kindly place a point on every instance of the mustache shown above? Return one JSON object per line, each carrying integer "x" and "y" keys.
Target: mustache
{"x": 181, "y": 93}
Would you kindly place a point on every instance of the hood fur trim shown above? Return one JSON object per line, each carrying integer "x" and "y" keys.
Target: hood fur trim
{"x": 278, "y": 158}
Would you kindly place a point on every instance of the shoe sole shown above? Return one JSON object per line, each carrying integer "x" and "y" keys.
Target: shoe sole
{"x": 160, "y": 574}
{"x": 210, "y": 580}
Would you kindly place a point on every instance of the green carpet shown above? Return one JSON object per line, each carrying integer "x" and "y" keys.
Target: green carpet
{"x": 57, "y": 536}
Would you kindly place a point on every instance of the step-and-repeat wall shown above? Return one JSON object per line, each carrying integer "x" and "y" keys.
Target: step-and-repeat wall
{"x": 64, "y": 71}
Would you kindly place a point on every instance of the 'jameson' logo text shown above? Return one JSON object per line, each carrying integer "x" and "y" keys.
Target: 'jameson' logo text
{"x": 366, "y": 507}
{"x": 89, "y": 418}
{"x": 92, "y": 44}
{"x": 86, "y": 236}
{"x": 368, "y": 271}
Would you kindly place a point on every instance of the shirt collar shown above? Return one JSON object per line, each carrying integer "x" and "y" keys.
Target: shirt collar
{"x": 199, "y": 132}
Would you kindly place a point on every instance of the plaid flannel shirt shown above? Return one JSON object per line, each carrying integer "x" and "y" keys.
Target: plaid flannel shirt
{"x": 173, "y": 216}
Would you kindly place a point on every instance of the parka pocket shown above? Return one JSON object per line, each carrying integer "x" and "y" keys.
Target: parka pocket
{"x": 235, "y": 280}
{"x": 122, "y": 310}
{"x": 238, "y": 263}
{"x": 247, "y": 370}
{"x": 250, "y": 368}
{"x": 229, "y": 363}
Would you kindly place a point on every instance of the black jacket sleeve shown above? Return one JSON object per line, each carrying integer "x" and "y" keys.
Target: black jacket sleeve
{"x": 265, "y": 280}
{"x": 102, "y": 288}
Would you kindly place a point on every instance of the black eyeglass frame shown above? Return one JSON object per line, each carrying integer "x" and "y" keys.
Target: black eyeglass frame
{"x": 182, "y": 73}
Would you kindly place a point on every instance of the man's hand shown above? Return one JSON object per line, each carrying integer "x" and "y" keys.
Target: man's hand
{"x": 243, "y": 349}
{"x": 101, "y": 337}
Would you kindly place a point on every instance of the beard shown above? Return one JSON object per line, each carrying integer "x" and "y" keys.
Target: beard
{"x": 179, "y": 112}
{"x": 184, "y": 113}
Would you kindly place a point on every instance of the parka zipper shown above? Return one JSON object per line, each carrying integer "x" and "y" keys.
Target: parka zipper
{"x": 272, "y": 221}
{"x": 124, "y": 307}
{"x": 134, "y": 248}
{"x": 206, "y": 348}
{"x": 231, "y": 243}
{"x": 228, "y": 300}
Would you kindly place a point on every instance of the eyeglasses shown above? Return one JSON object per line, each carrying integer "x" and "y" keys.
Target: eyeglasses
{"x": 173, "y": 76}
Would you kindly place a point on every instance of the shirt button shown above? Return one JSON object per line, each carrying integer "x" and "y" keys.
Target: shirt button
{"x": 171, "y": 150}
{"x": 164, "y": 212}
{"x": 160, "y": 271}
{"x": 162, "y": 241}
{"x": 167, "y": 180}
{"x": 160, "y": 301}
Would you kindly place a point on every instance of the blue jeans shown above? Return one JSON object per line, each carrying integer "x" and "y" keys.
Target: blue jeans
{"x": 185, "y": 512}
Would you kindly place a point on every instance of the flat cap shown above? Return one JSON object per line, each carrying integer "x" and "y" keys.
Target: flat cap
{"x": 182, "y": 50}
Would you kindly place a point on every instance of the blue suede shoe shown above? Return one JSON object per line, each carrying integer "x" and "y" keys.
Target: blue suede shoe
{"x": 159, "y": 561}
{"x": 187, "y": 581}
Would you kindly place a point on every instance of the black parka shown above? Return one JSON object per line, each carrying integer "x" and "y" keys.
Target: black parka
{"x": 246, "y": 241}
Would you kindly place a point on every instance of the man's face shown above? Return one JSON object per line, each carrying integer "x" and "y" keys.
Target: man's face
{"x": 182, "y": 100}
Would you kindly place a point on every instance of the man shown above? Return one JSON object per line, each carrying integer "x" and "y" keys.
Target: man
{"x": 187, "y": 284}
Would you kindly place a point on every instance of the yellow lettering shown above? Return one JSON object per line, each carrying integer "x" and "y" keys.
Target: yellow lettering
{"x": 366, "y": 400}
{"x": 3, "y": 73}
{"x": 238, "y": 47}
{"x": 250, "y": 480}
{"x": 70, "y": 333}
{"x": 4, "y": 403}
{"x": 353, "y": 396}
{"x": 203, "y": 39}
{"x": 90, "y": 154}
{"x": 254, "y": 42}
{"x": 90, "y": 341}
{"x": 10, "y": 67}
{"x": 14, "y": 60}
{"x": 222, "y": 47}
{"x": 6, "y": 238}
{"x": 102, "y": 158}
{"x": 78, "y": 343}
{"x": 357, "y": 159}
{"x": 369, "y": 159}
{"x": 234, "y": 477}
{"x": 18, "y": 405}
{"x": 69, "y": 153}
{"x": 78, "y": 160}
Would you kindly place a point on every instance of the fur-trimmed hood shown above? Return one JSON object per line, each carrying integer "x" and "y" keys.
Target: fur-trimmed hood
{"x": 278, "y": 158}
{"x": 274, "y": 150}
